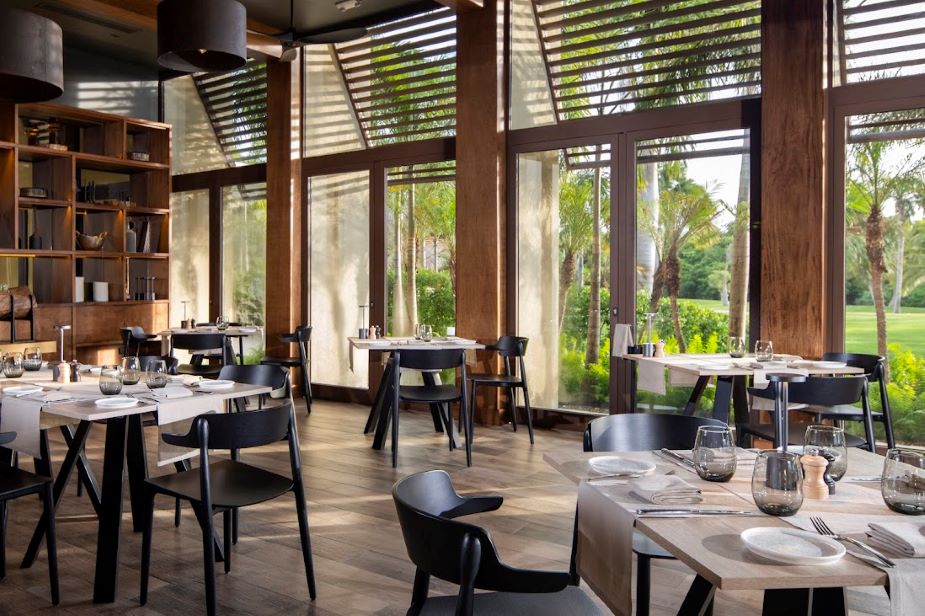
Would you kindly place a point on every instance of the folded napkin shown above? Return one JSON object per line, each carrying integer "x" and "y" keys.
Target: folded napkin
{"x": 622, "y": 338}
{"x": 186, "y": 379}
{"x": 23, "y": 417}
{"x": 650, "y": 376}
{"x": 905, "y": 538}
{"x": 665, "y": 490}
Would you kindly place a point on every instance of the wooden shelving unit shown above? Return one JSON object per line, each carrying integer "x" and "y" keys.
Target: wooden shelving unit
{"x": 95, "y": 185}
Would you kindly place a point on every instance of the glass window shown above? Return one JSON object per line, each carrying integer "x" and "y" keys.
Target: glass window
{"x": 692, "y": 248}
{"x": 189, "y": 256}
{"x": 885, "y": 257}
{"x": 563, "y": 265}
{"x": 339, "y": 276}
{"x": 421, "y": 248}
{"x": 244, "y": 260}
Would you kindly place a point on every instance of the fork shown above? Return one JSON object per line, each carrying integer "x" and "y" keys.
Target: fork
{"x": 823, "y": 529}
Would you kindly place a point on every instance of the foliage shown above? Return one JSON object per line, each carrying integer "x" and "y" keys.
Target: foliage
{"x": 699, "y": 324}
{"x": 436, "y": 300}
{"x": 699, "y": 266}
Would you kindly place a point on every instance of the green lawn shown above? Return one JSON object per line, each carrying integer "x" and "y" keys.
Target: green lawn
{"x": 906, "y": 329}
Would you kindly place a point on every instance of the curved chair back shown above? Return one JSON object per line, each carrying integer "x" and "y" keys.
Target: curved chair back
{"x": 265, "y": 375}
{"x": 132, "y": 336}
{"x": 172, "y": 362}
{"x": 512, "y": 346}
{"x": 820, "y": 390}
{"x": 236, "y": 430}
{"x": 303, "y": 336}
{"x": 872, "y": 365}
{"x": 644, "y": 432}
{"x": 203, "y": 343}
{"x": 441, "y": 359}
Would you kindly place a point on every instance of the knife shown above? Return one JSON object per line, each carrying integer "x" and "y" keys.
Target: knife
{"x": 675, "y": 457}
{"x": 685, "y": 512}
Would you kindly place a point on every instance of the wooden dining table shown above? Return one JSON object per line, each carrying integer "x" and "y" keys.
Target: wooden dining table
{"x": 240, "y": 332}
{"x": 711, "y": 545}
{"x": 124, "y": 450}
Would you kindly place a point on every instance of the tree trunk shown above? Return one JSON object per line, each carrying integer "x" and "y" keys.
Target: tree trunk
{"x": 874, "y": 245}
{"x": 593, "y": 348}
{"x": 658, "y": 286}
{"x": 673, "y": 282}
{"x": 896, "y": 301}
{"x": 400, "y": 325}
{"x": 566, "y": 276}
{"x": 646, "y": 258}
{"x": 410, "y": 262}
{"x": 738, "y": 288}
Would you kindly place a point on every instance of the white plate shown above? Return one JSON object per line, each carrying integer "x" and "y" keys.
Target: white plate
{"x": 615, "y": 465}
{"x": 830, "y": 365}
{"x": 379, "y": 343}
{"x": 16, "y": 390}
{"x": 116, "y": 403}
{"x": 170, "y": 393}
{"x": 792, "y": 546}
{"x": 216, "y": 385}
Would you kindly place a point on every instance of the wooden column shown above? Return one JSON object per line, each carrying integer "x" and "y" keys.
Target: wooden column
{"x": 480, "y": 161}
{"x": 284, "y": 288}
{"x": 793, "y": 260}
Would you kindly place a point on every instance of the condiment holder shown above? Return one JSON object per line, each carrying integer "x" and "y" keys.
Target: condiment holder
{"x": 814, "y": 469}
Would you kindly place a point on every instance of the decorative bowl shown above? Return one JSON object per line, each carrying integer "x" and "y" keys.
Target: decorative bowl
{"x": 90, "y": 242}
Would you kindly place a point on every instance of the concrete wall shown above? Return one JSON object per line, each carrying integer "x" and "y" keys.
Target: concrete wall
{"x": 531, "y": 101}
{"x": 103, "y": 83}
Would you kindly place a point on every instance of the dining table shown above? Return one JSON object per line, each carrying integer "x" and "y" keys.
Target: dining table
{"x": 380, "y": 413}
{"x": 240, "y": 332}
{"x": 731, "y": 377}
{"x": 711, "y": 545}
{"x": 74, "y": 408}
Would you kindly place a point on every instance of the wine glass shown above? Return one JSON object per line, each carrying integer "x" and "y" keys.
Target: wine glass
{"x": 828, "y": 442}
{"x": 12, "y": 365}
{"x": 736, "y": 346}
{"x": 427, "y": 333}
{"x": 777, "y": 483}
{"x": 110, "y": 380}
{"x": 764, "y": 350}
{"x": 903, "y": 483}
{"x": 418, "y": 330}
{"x": 714, "y": 453}
{"x": 156, "y": 374}
{"x": 32, "y": 359}
{"x": 131, "y": 370}
{"x": 221, "y": 323}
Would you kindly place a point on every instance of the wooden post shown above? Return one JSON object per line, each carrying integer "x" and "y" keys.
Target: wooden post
{"x": 480, "y": 161}
{"x": 793, "y": 260}
{"x": 284, "y": 288}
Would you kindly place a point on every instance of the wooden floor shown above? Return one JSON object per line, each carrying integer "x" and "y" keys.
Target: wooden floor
{"x": 360, "y": 560}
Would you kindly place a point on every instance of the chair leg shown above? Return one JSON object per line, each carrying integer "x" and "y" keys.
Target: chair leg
{"x": 305, "y": 538}
{"x": 512, "y": 408}
{"x": 529, "y": 413}
{"x": 573, "y": 558}
{"x": 208, "y": 557}
{"x": 146, "y": 545}
{"x": 471, "y": 413}
{"x": 226, "y": 535}
{"x": 887, "y": 416}
{"x": 394, "y": 412}
{"x": 419, "y": 592}
{"x": 2, "y": 539}
{"x": 643, "y": 581}
{"x": 51, "y": 542}
{"x": 306, "y": 388}
{"x": 868, "y": 422}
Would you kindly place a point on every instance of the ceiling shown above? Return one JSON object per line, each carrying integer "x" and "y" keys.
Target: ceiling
{"x": 87, "y": 26}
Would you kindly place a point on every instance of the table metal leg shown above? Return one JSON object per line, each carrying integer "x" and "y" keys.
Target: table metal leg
{"x": 383, "y": 419}
{"x": 136, "y": 460}
{"x": 699, "y": 598}
{"x": 722, "y": 399}
{"x": 381, "y": 398}
{"x": 85, "y": 473}
{"x": 699, "y": 388}
{"x": 107, "y": 543}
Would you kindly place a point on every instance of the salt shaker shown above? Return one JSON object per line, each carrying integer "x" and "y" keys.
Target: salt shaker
{"x": 814, "y": 485}
{"x": 660, "y": 348}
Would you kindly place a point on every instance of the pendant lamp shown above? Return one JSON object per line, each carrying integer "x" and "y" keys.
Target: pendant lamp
{"x": 31, "y": 57}
{"x": 201, "y": 35}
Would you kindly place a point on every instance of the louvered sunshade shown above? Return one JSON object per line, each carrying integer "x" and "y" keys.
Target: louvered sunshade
{"x": 891, "y": 126}
{"x": 613, "y": 56}
{"x": 401, "y": 78}
{"x": 880, "y": 39}
{"x": 587, "y": 156}
{"x": 422, "y": 174}
{"x": 236, "y": 104}
{"x": 686, "y": 147}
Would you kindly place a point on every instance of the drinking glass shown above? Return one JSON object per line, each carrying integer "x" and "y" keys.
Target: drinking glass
{"x": 764, "y": 350}
{"x": 903, "y": 483}
{"x": 736, "y": 346}
{"x": 221, "y": 324}
{"x": 156, "y": 374}
{"x": 715, "y": 453}
{"x": 777, "y": 483}
{"x": 828, "y": 442}
{"x": 12, "y": 365}
{"x": 427, "y": 333}
{"x": 32, "y": 359}
{"x": 417, "y": 331}
{"x": 131, "y": 370}
{"x": 111, "y": 380}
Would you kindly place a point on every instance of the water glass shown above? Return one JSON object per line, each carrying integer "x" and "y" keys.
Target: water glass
{"x": 777, "y": 483}
{"x": 156, "y": 374}
{"x": 903, "y": 483}
{"x": 828, "y": 442}
{"x": 32, "y": 359}
{"x": 764, "y": 350}
{"x": 715, "y": 453}
{"x": 111, "y": 380}
{"x": 221, "y": 324}
{"x": 736, "y": 346}
{"x": 12, "y": 365}
{"x": 418, "y": 328}
{"x": 427, "y": 333}
{"x": 131, "y": 370}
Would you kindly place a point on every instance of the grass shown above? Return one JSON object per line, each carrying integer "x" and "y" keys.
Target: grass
{"x": 906, "y": 328}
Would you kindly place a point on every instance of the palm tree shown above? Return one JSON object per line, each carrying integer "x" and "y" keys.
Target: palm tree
{"x": 576, "y": 228}
{"x": 908, "y": 198}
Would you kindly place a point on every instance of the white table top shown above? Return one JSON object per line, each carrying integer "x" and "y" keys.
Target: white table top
{"x": 245, "y": 330}
{"x": 410, "y": 344}
{"x": 714, "y": 364}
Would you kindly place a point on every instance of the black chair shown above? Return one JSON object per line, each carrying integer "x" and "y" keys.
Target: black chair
{"x": 172, "y": 362}
{"x": 464, "y": 554}
{"x": 273, "y": 377}
{"x": 224, "y": 485}
{"x": 440, "y": 395}
{"x": 641, "y": 432}
{"x": 199, "y": 345}
{"x": 302, "y": 337}
{"x": 134, "y": 339}
{"x": 873, "y": 367}
{"x": 817, "y": 391}
{"x": 14, "y": 483}
{"x": 509, "y": 348}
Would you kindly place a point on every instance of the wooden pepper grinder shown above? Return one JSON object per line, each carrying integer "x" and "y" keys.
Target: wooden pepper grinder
{"x": 814, "y": 486}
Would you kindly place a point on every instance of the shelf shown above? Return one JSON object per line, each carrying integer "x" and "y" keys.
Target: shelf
{"x": 102, "y": 343}
{"x": 97, "y": 207}
{"x": 146, "y": 255}
{"x": 97, "y": 254}
{"x": 34, "y": 153}
{"x": 42, "y": 203}
{"x": 126, "y": 302}
{"x": 136, "y": 210}
{"x": 118, "y": 165}
{"x": 28, "y": 252}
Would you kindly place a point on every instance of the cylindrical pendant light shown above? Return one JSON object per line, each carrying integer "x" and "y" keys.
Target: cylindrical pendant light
{"x": 31, "y": 57}
{"x": 201, "y": 35}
